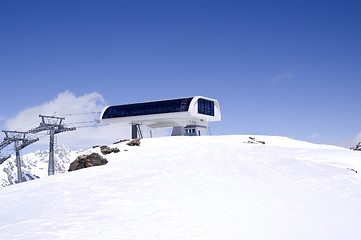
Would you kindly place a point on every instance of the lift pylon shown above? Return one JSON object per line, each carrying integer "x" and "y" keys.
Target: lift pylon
{"x": 53, "y": 125}
{"x": 21, "y": 141}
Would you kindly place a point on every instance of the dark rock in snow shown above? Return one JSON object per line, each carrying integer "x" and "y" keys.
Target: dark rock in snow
{"x": 253, "y": 140}
{"x": 85, "y": 161}
{"x": 134, "y": 142}
{"x": 120, "y": 141}
{"x": 106, "y": 150}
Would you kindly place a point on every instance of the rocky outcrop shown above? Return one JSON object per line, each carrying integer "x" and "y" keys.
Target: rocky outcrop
{"x": 85, "y": 161}
{"x": 134, "y": 142}
{"x": 106, "y": 150}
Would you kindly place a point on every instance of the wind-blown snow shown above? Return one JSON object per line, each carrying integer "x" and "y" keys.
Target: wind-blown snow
{"x": 214, "y": 187}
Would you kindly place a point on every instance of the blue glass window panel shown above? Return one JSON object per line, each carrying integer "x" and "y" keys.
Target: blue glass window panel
{"x": 158, "y": 107}
{"x": 201, "y": 107}
{"x": 205, "y": 107}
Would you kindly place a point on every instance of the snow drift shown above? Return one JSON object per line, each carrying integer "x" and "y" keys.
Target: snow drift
{"x": 211, "y": 187}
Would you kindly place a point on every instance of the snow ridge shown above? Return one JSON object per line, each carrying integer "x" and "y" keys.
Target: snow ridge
{"x": 209, "y": 187}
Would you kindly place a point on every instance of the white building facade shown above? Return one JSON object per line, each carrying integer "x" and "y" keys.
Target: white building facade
{"x": 188, "y": 116}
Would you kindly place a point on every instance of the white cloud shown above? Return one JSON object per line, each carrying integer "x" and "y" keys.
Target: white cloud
{"x": 64, "y": 103}
{"x": 282, "y": 77}
{"x": 313, "y": 136}
{"x": 90, "y": 136}
{"x": 67, "y": 103}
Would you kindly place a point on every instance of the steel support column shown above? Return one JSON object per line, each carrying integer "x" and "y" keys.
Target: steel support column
{"x": 134, "y": 131}
{"x": 18, "y": 162}
{"x": 51, "y": 154}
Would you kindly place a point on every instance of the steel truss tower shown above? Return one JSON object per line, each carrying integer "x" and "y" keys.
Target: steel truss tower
{"x": 21, "y": 141}
{"x": 53, "y": 125}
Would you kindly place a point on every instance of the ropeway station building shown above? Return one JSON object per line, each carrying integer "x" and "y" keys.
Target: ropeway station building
{"x": 188, "y": 116}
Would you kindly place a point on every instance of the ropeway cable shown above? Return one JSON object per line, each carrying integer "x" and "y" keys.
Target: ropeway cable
{"x": 71, "y": 114}
{"x": 89, "y": 126}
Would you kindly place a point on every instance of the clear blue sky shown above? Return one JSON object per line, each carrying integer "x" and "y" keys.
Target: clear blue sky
{"x": 290, "y": 68}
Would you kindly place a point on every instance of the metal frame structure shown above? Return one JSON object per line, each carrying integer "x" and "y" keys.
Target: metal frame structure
{"x": 21, "y": 141}
{"x": 136, "y": 131}
{"x": 53, "y": 125}
{"x": 3, "y": 159}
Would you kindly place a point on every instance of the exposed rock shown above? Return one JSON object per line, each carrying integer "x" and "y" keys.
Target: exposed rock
{"x": 85, "y": 161}
{"x": 134, "y": 142}
{"x": 352, "y": 169}
{"x": 106, "y": 150}
{"x": 253, "y": 140}
{"x": 96, "y": 146}
{"x": 120, "y": 141}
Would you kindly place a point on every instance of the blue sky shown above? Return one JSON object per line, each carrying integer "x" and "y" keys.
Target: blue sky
{"x": 289, "y": 68}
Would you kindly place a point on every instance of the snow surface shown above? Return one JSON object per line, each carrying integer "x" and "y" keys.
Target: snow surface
{"x": 211, "y": 187}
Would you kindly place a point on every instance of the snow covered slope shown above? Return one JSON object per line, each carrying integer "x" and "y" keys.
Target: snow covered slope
{"x": 211, "y": 187}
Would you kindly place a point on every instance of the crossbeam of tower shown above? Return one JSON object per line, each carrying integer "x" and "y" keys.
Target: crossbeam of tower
{"x": 21, "y": 141}
{"x": 53, "y": 125}
{"x": 3, "y": 145}
{"x": 3, "y": 159}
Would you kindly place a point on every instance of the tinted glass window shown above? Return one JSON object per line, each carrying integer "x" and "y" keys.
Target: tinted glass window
{"x": 129, "y": 110}
{"x": 205, "y": 107}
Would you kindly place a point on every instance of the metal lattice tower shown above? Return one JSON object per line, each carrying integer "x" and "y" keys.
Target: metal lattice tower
{"x": 21, "y": 141}
{"x": 53, "y": 125}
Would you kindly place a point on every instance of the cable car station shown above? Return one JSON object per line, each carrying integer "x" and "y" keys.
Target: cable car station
{"x": 188, "y": 116}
